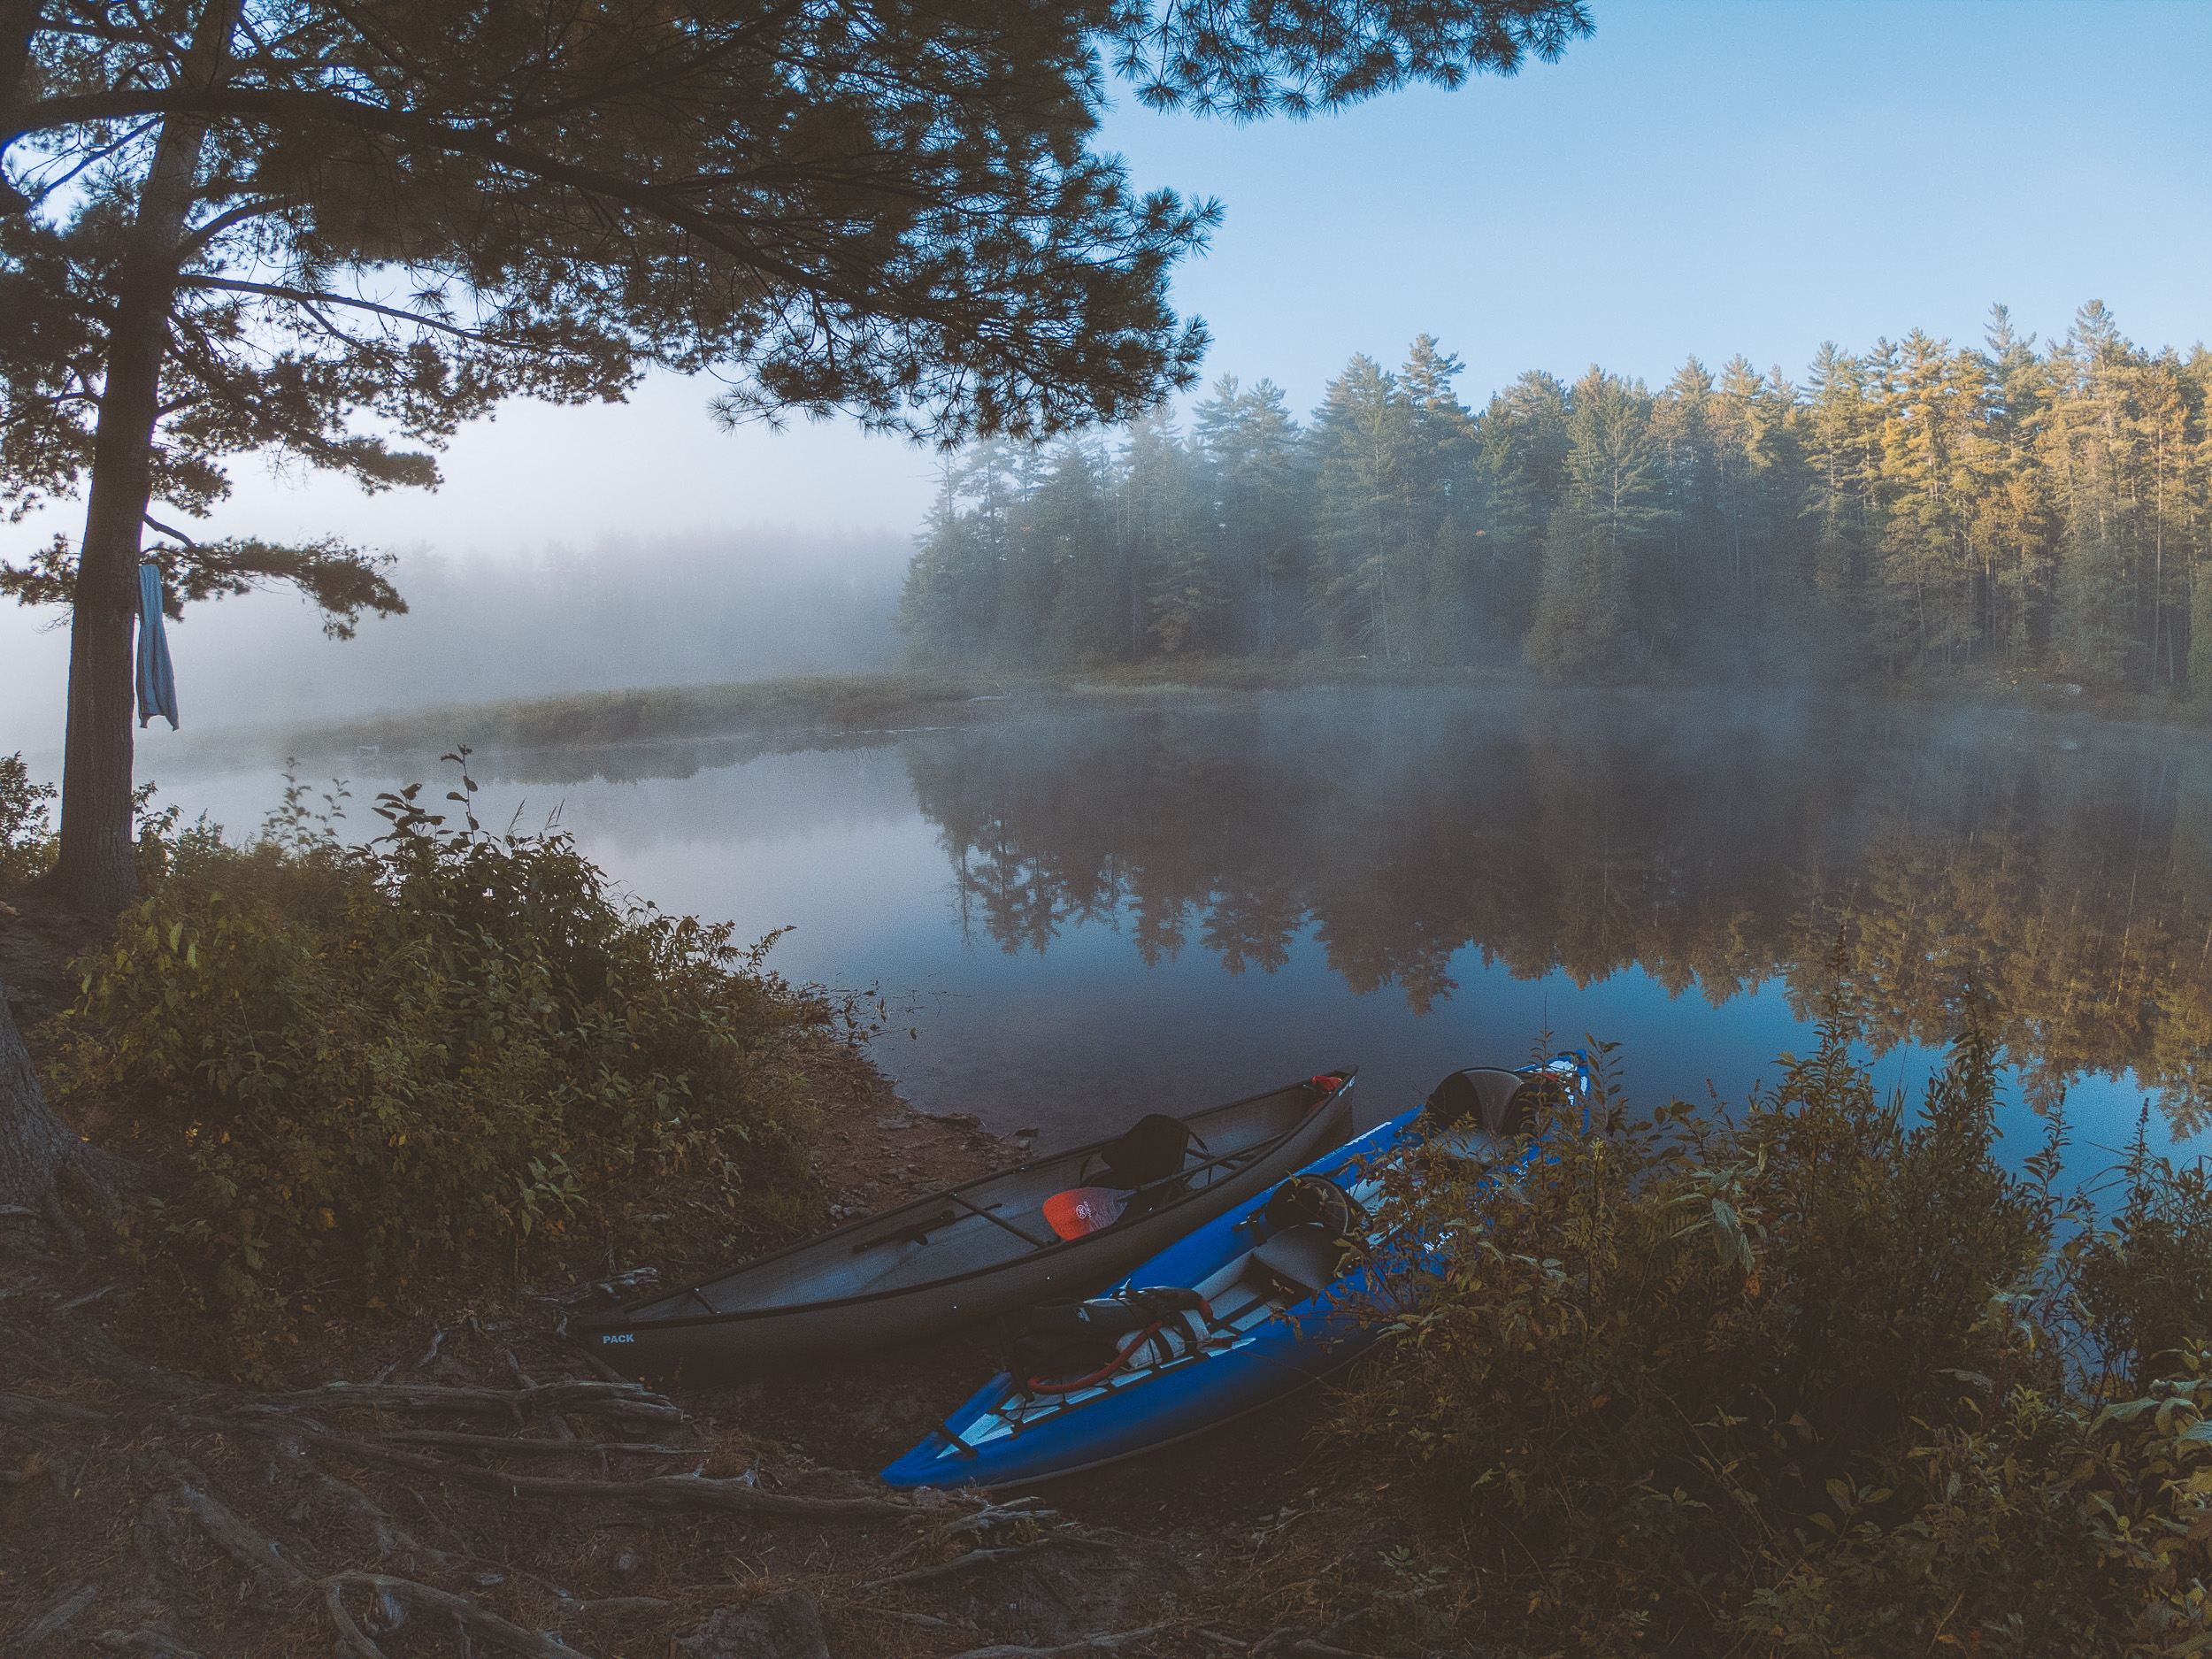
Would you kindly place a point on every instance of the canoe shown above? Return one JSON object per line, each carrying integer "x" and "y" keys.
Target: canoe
{"x": 980, "y": 1249}
{"x": 1247, "y": 1309}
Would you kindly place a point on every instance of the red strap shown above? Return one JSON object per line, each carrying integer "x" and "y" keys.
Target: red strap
{"x": 1038, "y": 1385}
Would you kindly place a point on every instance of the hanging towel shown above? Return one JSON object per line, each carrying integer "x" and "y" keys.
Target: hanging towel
{"x": 156, "y": 685}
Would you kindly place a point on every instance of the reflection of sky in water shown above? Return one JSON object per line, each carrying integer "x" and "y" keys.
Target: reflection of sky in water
{"x": 1078, "y": 1038}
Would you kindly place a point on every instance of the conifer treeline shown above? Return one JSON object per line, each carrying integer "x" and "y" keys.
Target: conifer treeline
{"x": 1916, "y": 505}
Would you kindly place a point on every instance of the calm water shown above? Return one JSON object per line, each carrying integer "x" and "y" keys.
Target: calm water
{"x": 1077, "y": 915}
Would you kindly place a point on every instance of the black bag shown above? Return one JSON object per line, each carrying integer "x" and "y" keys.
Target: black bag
{"x": 1063, "y": 1342}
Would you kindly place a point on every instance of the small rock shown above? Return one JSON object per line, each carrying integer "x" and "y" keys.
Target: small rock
{"x": 786, "y": 1625}
{"x": 628, "y": 1562}
{"x": 895, "y": 1123}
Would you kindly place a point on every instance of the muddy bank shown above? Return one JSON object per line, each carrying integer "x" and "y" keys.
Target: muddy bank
{"x": 463, "y": 1479}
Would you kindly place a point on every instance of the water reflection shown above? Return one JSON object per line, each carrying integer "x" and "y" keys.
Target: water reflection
{"x": 2062, "y": 886}
{"x": 1083, "y": 912}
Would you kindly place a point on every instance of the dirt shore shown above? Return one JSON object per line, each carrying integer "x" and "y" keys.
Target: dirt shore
{"x": 463, "y": 1479}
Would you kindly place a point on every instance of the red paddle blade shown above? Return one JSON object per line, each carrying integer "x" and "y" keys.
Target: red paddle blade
{"x": 1084, "y": 1209}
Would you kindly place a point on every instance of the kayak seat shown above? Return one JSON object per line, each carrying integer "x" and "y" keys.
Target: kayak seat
{"x": 1306, "y": 1258}
{"x": 1484, "y": 1097}
{"x": 1152, "y": 1150}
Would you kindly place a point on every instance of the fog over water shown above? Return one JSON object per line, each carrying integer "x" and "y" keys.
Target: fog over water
{"x": 1076, "y": 912}
{"x": 673, "y": 608}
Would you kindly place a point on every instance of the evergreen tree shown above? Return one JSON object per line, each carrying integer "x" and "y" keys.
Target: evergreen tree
{"x": 1519, "y": 465}
{"x": 1914, "y": 507}
{"x": 1071, "y": 523}
{"x": 1251, "y": 445}
{"x": 1171, "y": 586}
{"x": 1587, "y": 621}
{"x": 1366, "y": 486}
{"x": 1443, "y": 527}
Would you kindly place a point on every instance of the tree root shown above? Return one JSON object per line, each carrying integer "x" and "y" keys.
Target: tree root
{"x": 144, "y": 1644}
{"x": 927, "y": 1621}
{"x": 627, "y": 1400}
{"x": 675, "y": 1492}
{"x": 466, "y": 1614}
{"x": 975, "y": 1558}
{"x": 506, "y": 1445}
{"x": 1081, "y": 1647}
{"x": 31, "y": 1409}
{"x": 976, "y": 1523}
{"x": 271, "y": 1576}
{"x": 57, "y": 1611}
{"x": 1295, "y": 1641}
{"x": 274, "y": 1577}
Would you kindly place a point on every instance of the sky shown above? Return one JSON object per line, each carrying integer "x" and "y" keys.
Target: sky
{"x": 1696, "y": 178}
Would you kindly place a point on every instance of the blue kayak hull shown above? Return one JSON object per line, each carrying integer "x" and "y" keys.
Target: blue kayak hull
{"x": 1242, "y": 1368}
{"x": 1317, "y": 1337}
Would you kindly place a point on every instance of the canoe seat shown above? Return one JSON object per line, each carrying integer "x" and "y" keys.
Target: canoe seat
{"x": 1306, "y": 1258}
{"x": 1484, "y": 1097}
{"x": 1152, "y": 1150}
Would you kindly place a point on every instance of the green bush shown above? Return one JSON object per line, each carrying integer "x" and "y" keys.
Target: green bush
{"x": 27, "y": 846}
{"x": 449, "y": 1048}
{"x": 1822, "y": 1380}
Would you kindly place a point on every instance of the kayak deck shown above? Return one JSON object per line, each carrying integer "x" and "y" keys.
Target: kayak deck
{"x": 1247, "y": 1294}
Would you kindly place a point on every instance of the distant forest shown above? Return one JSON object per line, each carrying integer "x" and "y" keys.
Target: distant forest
{"x": 1918, "y": 505}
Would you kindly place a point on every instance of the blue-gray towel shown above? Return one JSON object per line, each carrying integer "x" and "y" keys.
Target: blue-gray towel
{"x": 157, "y": 684}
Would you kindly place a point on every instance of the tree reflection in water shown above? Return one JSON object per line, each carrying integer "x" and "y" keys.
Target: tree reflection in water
{"x": 2058, "y": 872}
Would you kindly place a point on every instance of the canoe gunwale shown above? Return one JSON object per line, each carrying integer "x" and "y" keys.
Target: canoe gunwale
{"x": 624, "y": 1318}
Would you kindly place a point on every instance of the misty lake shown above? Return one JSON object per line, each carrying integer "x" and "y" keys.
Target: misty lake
{"x": 1078, "y": 911}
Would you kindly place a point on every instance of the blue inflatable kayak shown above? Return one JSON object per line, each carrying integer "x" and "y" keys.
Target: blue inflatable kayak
{"x": 1248, "y": 1308}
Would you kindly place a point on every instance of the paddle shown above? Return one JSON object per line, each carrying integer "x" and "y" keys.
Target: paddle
{"x": 1086, "y": 1209}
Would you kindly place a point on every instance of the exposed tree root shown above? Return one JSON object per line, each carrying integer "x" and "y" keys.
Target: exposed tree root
{"x": 31, "y": 1409}
{"x": 510, "y": 1446}
{"x": 273, "y": 1577}
{"x": 1079, "y": 1648}
{"x": 627, "y": 1400}
{"x": 463, "y": 1614}
{"x": 980, "y": 1523}
{"x": 690, "y": 1492}
{"x": 144, "y": 1644}
{"x": 976, "y": 1558}
{"x": 57, "y": 1612}
{"x": 1295, "y": 1642}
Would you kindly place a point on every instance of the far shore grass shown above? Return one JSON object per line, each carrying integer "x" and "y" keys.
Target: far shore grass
{"x": 852, "y": 705}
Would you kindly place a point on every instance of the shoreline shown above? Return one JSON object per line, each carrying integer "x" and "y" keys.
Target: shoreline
{"x": 782, "y": 715}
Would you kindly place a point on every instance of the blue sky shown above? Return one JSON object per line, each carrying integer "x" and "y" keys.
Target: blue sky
{"x": 1707, "y": 178}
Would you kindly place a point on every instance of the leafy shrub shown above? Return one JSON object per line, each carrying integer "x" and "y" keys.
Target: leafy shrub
{"x": 449, "y": 1047}
{"x": 1824, "y": 1378}
{"x": 27, "y": 846}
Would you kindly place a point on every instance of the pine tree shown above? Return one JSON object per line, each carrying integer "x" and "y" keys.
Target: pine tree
{"x": 1519, "y": 464}
{"x": 1443, "y": 528}
{"x": 1587, "y": 621}
{"x": 1365, "y": 487}
{"x": 1074, "y": 521}
{"x": 1252, "y": 445}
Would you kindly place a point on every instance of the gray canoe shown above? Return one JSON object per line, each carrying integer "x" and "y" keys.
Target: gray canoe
{"x": 977, "y": 1250}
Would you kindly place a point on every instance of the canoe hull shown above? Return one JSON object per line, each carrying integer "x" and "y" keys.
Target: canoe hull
{"x": 1003, "y": 1437}
{"x": 1281, "y": 1358}
{"x": 656, "y": 1339}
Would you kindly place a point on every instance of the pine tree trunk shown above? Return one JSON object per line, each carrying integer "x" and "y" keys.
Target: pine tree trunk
{"x": 94, "y": 870}
{"x": 35, "y": 1144}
